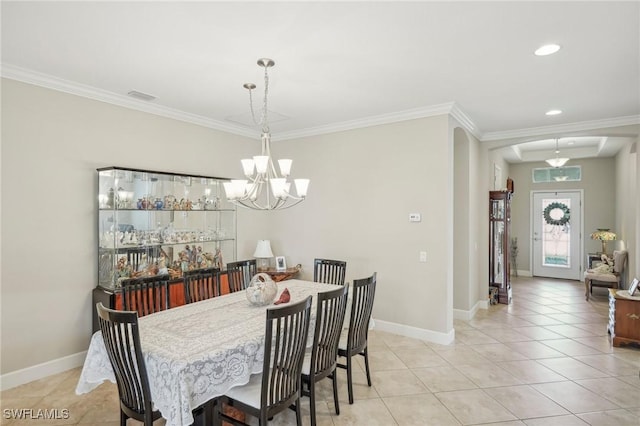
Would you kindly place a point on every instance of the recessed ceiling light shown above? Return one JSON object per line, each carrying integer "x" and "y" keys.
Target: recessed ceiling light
{"x": 547, "y": 49}
{"x": 553, "y": 112}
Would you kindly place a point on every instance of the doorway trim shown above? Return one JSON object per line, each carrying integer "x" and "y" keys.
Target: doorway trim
{"x": 531, "y": 225}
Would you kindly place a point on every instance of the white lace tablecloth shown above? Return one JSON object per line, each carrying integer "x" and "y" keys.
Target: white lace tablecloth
{"x": 197, "y": 352}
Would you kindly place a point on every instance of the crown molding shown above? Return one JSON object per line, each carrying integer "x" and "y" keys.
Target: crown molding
{"x": 451, "y": 108}
{"x": 562, "y": 128}
{"x": 32, "y": 77}
{"x": 465, "y": 121}
{"x": 376, "y": 120}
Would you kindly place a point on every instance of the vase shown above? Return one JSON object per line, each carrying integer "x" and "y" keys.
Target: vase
{"x": 262, "y": 290}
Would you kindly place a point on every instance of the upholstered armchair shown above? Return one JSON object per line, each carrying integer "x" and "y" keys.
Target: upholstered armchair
{"x": 598, "y": 278}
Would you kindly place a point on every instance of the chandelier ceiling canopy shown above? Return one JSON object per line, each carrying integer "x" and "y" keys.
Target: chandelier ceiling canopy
{"x": 264, "y": 188}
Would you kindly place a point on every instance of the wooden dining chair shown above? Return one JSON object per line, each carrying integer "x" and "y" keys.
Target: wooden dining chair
{"x": 277, "y": 388}
{"x": 146, "y": 295}
{"x": 240, "y": 273}
{"x": 356, "y": 343}
{"x": 122, "y": 341}
{"x": 201, "y": 284}
{"x": 322, "y": 361}
{"x": 329, "y": 271}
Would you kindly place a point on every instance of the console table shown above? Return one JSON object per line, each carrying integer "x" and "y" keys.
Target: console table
{"x": 278, "y": 276}
{"x": 624, "y": 319}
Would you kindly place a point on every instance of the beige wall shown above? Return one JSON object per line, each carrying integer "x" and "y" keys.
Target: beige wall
{"x": 470, "y": 223}
{"x": 626, "y": 206}
{"x": 52, "y": 143}
{"x": 364, "y": 184}
{"x": 496, "y": 160}
{"x": 598, "y": 183}
{"x": 360, "y": 197}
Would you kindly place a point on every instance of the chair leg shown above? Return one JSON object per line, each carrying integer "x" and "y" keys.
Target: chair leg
{"x": 123, "y": 418}
{"x": 312, "y": 401}
{"x": 298, "y": 411}
{"x": 366, "y": 364}
{"x": 349, "y": 378}
{"x": 334, "y": 379}
{"x": 587, "y": 288}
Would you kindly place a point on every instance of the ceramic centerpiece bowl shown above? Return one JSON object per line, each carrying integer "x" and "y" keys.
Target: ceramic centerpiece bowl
{"x": 261, "y": 290}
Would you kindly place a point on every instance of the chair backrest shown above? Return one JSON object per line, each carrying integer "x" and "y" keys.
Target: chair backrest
{"x": 330, "y": 312}
{"x": 146, "y": 295}
{"x": 240, "y": 273}
{"x": 329, "y": 271}
{"x": 122, "y": 342}
{"x": 285, "y": 341}
{"x": 201, "y": 284}
{"x": 363, "y": 293}
{"x": 619, "y": 260}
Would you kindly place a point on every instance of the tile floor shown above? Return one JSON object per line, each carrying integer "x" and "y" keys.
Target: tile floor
{"x": 543, "y": 360}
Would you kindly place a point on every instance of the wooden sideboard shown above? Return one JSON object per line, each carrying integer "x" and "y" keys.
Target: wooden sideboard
{"x": 624, "y": 320}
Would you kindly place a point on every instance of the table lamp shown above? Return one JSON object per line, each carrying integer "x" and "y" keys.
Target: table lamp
{"x": 263, "y": 253}
{"x": 603, "y": 235}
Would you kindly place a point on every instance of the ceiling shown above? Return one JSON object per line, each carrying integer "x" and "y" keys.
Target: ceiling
{"x": 343, "y": 65}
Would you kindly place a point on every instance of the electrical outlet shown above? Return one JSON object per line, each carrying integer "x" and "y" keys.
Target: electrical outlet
{"x": 423, "y": 256}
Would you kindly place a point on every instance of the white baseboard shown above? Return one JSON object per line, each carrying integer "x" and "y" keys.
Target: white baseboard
{"x": 39, "y": 371}
{"x": 522, "y": 273}
{"x": 416, "y": 333}
{"x": 461, "y": 314}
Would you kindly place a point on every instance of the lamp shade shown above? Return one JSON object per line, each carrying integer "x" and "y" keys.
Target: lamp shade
{"x": 603, "y": 235}
{"x": 557, "y": 162}
{"x": 263, "y": 250}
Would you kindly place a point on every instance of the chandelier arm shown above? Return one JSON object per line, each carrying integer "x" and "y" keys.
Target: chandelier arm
{"x": 280, "y": 204}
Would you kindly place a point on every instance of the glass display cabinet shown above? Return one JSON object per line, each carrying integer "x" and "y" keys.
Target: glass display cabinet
{"x": 499, "y": 224}
{"x": 156, "y": 223}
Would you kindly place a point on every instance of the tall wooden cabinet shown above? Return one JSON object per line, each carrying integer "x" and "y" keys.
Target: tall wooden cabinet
{"x": 499, "y": 224}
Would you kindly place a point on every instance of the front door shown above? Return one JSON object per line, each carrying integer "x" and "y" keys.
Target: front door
{"x": 557, "y": 230}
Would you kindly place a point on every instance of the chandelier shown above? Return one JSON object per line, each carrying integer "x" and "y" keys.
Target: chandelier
{"x": 264, "y": 188}
{"x": 557, "y": 162}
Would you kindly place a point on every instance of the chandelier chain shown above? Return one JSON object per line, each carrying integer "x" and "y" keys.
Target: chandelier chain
{"x": 265, "y": 123}
{"x": 253, "y": 114}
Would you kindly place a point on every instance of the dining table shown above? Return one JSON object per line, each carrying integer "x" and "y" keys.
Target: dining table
{"x": 197, "y": 352}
